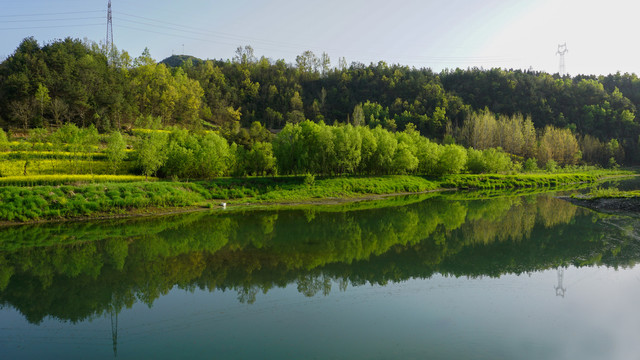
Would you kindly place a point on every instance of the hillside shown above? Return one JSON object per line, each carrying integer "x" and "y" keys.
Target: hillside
{"x": 68, "y": 81}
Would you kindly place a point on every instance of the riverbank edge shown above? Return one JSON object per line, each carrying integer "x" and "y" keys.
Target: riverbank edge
{"x": 607, "y": 204}
{"x": 150, "y": 212}
{"x": 615, "y": 202}
{"x": 299, "y": 195}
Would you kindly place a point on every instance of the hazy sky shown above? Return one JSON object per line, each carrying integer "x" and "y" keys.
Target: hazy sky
{"x": 437, "y": 34}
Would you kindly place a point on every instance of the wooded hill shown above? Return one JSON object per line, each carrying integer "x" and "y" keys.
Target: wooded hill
{"x": 593, "y": 118}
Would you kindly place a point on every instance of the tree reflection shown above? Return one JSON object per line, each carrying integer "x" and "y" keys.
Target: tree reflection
{"x": 249, "y": 252}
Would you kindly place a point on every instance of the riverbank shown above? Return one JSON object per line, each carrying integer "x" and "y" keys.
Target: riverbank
{"x": 610, "y": 200}
{"x": 20, "y": 204}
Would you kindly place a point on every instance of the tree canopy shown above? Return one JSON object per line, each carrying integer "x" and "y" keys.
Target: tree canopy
{"x": 73, "y": 81}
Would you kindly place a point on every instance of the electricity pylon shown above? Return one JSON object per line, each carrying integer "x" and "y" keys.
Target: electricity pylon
{"x": 560, "y": 289}
{"x": 562, "y": 49}
{"x": 109, "y": 42}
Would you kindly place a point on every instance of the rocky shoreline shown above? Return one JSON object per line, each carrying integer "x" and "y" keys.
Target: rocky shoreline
{"x": 608, "y": 204}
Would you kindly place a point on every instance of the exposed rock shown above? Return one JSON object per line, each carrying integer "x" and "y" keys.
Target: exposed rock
{"x": 611, "y": 205}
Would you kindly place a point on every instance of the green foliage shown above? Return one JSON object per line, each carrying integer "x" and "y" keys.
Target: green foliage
{"x": 151, "y": 154}
{"x": 115, "y": 151}
{"x": 488, "y": 161}
{"x": 73, "y": 81}
{"x": 38, "y": 135}
{"x": 309, "y": 180}
{"x": 559, "y": 145}
{"x": 20, "y": 203}
{"x": 609, "y": 192}
{"x": 144, "y": 123}
{"x": 191, "y": 156}
{"x": 37, "y": 180}
{"x": 452, "y": 160}
{"x": 551, "y": 166}
{"x": 530, "y": 165}
{"x": 517, "y": 181}
{"x": 56, "y": 164}
{"x": 4, "y": 142}
{"x": 260, "y": 160}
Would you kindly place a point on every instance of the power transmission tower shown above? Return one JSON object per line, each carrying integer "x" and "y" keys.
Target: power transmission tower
{"x": 114, "y": 329}
{"x": 109, "y": 43}
{"x": 560, "y": 289}
{"x": 562, "y": 49}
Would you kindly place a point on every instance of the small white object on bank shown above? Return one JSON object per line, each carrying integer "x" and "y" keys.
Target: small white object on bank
{"x": 224, "y": 205}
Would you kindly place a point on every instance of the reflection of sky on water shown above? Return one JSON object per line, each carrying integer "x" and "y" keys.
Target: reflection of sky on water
{"x": 513, "y": 317}
{"x": 440, "y": 317}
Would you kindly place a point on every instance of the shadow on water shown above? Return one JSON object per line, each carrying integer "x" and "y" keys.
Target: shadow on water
{"x": 77, "y": 271}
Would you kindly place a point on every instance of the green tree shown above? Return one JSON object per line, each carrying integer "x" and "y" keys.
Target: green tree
{"x": 346, "y": 145}
{"x": 404, "y": 161}
{"x": 151, "y": 154}
{"x": 214, "y": 157}
{"x": 43, "y": 100}
{"x": 261, "y": 159}
{"x": 357, "y": 118}
{"x": 116, "y": 151}
{"x": 559, "y": 145}
{"x": 296, "y": 115}
{"x": 453, "y": 159}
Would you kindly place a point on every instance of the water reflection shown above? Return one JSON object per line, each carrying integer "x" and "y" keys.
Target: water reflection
{"x": 560, "y": 289}
{"x": 79, "y": 271}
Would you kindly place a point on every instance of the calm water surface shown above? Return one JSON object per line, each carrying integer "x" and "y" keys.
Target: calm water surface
{"x": 445, "y": 276}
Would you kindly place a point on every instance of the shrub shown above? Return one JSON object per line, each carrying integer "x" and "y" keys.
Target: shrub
{"x": 530, "y": 165}
{"x": 309, "y": 180}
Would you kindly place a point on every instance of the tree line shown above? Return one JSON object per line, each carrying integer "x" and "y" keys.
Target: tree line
{"x": 79, "y": 82}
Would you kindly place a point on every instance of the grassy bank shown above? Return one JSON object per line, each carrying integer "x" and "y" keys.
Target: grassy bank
{"x": 521, "y": 180}
{"x": 47, "y": 199}
{"x": 69, "y": 201}
{"x": 609, "y": 193}
{"x": 303, "y": 188}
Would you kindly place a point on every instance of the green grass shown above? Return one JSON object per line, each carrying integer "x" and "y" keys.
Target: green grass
{"x": 608, "y": 193}
{"x": 43, "y": 202}
{"x": 59, "y": 167}
{"x": 40, "y": 198}
{"x": 350, "y": 187}
{"x": 516, "y": 181}
{"x": 21, "y": 155}
{"x": 35, "y": 180}
{"x": 265, "y": 189}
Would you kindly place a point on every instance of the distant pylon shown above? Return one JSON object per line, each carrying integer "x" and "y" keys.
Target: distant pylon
{"x": 560, "y": 289}
{"x": 562, "y": 49}
{"x": 109, "y": 42}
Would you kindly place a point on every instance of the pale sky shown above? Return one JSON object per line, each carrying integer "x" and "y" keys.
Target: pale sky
{"x": 437, "y": 34}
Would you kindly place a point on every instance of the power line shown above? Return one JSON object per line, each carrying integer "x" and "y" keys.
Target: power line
{"x": 200, "y": 31}
{"x": 169, "y": 34}
{"x": 179, "y": 31}
{"x": 50, "y": 27}
{"x": 292, "y": 48}
{"x": 44, "y": 20}
{"x": 56, "y": 13}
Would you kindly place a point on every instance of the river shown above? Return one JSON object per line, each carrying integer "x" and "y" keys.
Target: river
{"x": 437, "y": 276}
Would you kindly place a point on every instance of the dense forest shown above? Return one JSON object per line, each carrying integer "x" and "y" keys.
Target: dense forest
{"x": 529, "y": 115}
